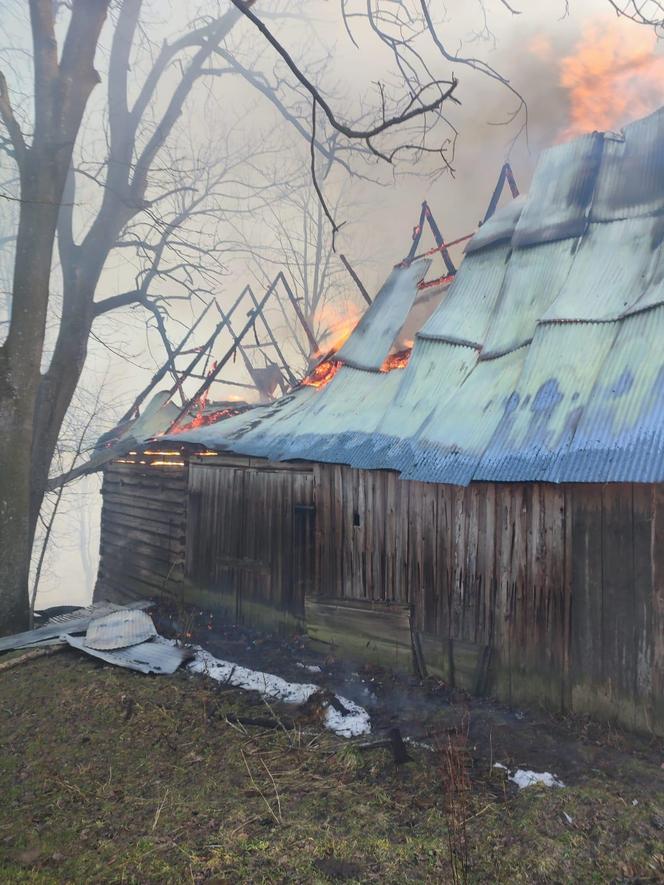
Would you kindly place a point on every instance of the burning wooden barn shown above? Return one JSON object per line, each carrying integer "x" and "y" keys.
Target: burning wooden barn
{"x": 489, "y": 507}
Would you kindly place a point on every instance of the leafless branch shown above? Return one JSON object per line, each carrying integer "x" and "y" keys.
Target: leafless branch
{"x": 11, "y": 123}
{"x": 643, "y": 12}
{"x": 414, "y": 107}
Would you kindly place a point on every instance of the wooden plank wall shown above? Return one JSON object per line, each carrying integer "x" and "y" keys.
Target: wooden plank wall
{"x": 565, "y": 584}
{"x": 143, "y": 524}
{"x": 250, "y": 538}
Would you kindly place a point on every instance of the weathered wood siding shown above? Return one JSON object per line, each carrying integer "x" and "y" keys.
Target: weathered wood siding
{"x": 143, "y": 522}
{"x": 250, "y": 538}
{"x": 564, "y": 584}
{"x": 536, "y": 593}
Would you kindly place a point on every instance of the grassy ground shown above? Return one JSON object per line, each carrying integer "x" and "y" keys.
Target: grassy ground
{"x": 111, "y": 776}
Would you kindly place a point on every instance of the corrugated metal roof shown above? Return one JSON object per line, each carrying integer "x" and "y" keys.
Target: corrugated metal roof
{"x": 463, "y": 317}
{"x": 372, "y": 339}
{"x": 535, "y": 276}
{"x": 621, "y": 430}
{"x": 499, "y": 228}
{"x": 560, "y": 192}
{"x": 544, "y": 409}
{"x": 631, "y": 178}
{"x": 544, "y": 362}
{"x": 611, "y": 267}
{"x": 450, "y": 446}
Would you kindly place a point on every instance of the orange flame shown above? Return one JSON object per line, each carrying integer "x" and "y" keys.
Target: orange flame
{"x": 202, "y": 418}
{"x": 398, "y": 360}
{"x": 336, "y": 324}
{"x": 612, "y": 77}
{"x": 322, "y": 374}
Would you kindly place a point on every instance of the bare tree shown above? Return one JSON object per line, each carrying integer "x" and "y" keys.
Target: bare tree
{"x": 59, "y": 246}
{"x": 643, "y": 12}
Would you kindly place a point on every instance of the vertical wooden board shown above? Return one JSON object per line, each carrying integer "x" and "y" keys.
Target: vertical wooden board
{"x": 458, "y": 541}
{"x": 504, "y": 598}
{"x": 429, "y": 571}
{"x": 390, "y": 543}
{"x": 618, "y": 571}
{"x": 318, "y": 534}
{"x": 554, "y": 640}
{"x": 643, "y": 518}
{"x": 355, "y": 520}
{"x": 521, "y": 633}
{"x": 325, "y": 530}
{"x": 566, "y": 700}
{"x": 528, "y": 491}
{"x": 193, "y": 525}
{"x": 287, "y": 589}
{"x": 414, "y": 574}
{"x": 402, "y": 518}
{"x": 587, "y": 588}
{"x": 378, "y": 539}
{"x": 472, "y": 498}
{"x": 352, "y": 582}
{"x": 555, "y": 572}
{"x": 368, "y": 520}
{"x": 441, "y": 601}
{"x": 361, "y": 533}
{"x": 488, "y": 569}
{"x": 337, "y": 507}
{"x": 657, "y": 628}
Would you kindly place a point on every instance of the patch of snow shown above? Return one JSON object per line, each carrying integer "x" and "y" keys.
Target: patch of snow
{"x": 524, "y": 778}
{"x": 500, "y": 765}
{"x": 312, "y": 668}
{"x": 354, "y": 723}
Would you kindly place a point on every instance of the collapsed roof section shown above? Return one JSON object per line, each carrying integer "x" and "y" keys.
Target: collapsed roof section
{"x": 544, "y": 362}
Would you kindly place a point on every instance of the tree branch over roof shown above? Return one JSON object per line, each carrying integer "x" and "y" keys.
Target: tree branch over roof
{"x": 414, "y": 108}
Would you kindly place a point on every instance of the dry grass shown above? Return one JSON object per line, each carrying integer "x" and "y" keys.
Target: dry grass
{"x": 110, "y": 776}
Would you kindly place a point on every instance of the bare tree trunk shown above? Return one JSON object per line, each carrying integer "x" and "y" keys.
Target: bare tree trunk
{"x": 14, "y": 527}
{"x": 62, "y": 88}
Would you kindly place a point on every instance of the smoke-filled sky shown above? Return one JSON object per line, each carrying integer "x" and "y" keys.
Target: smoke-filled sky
{"x": 576, "y": 65}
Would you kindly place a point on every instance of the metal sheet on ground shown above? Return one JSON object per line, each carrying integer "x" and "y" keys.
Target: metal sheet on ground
{"x": 120, "y": 629}
{"x": 77, "y": 622}
{"x": 155, "y": 656}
